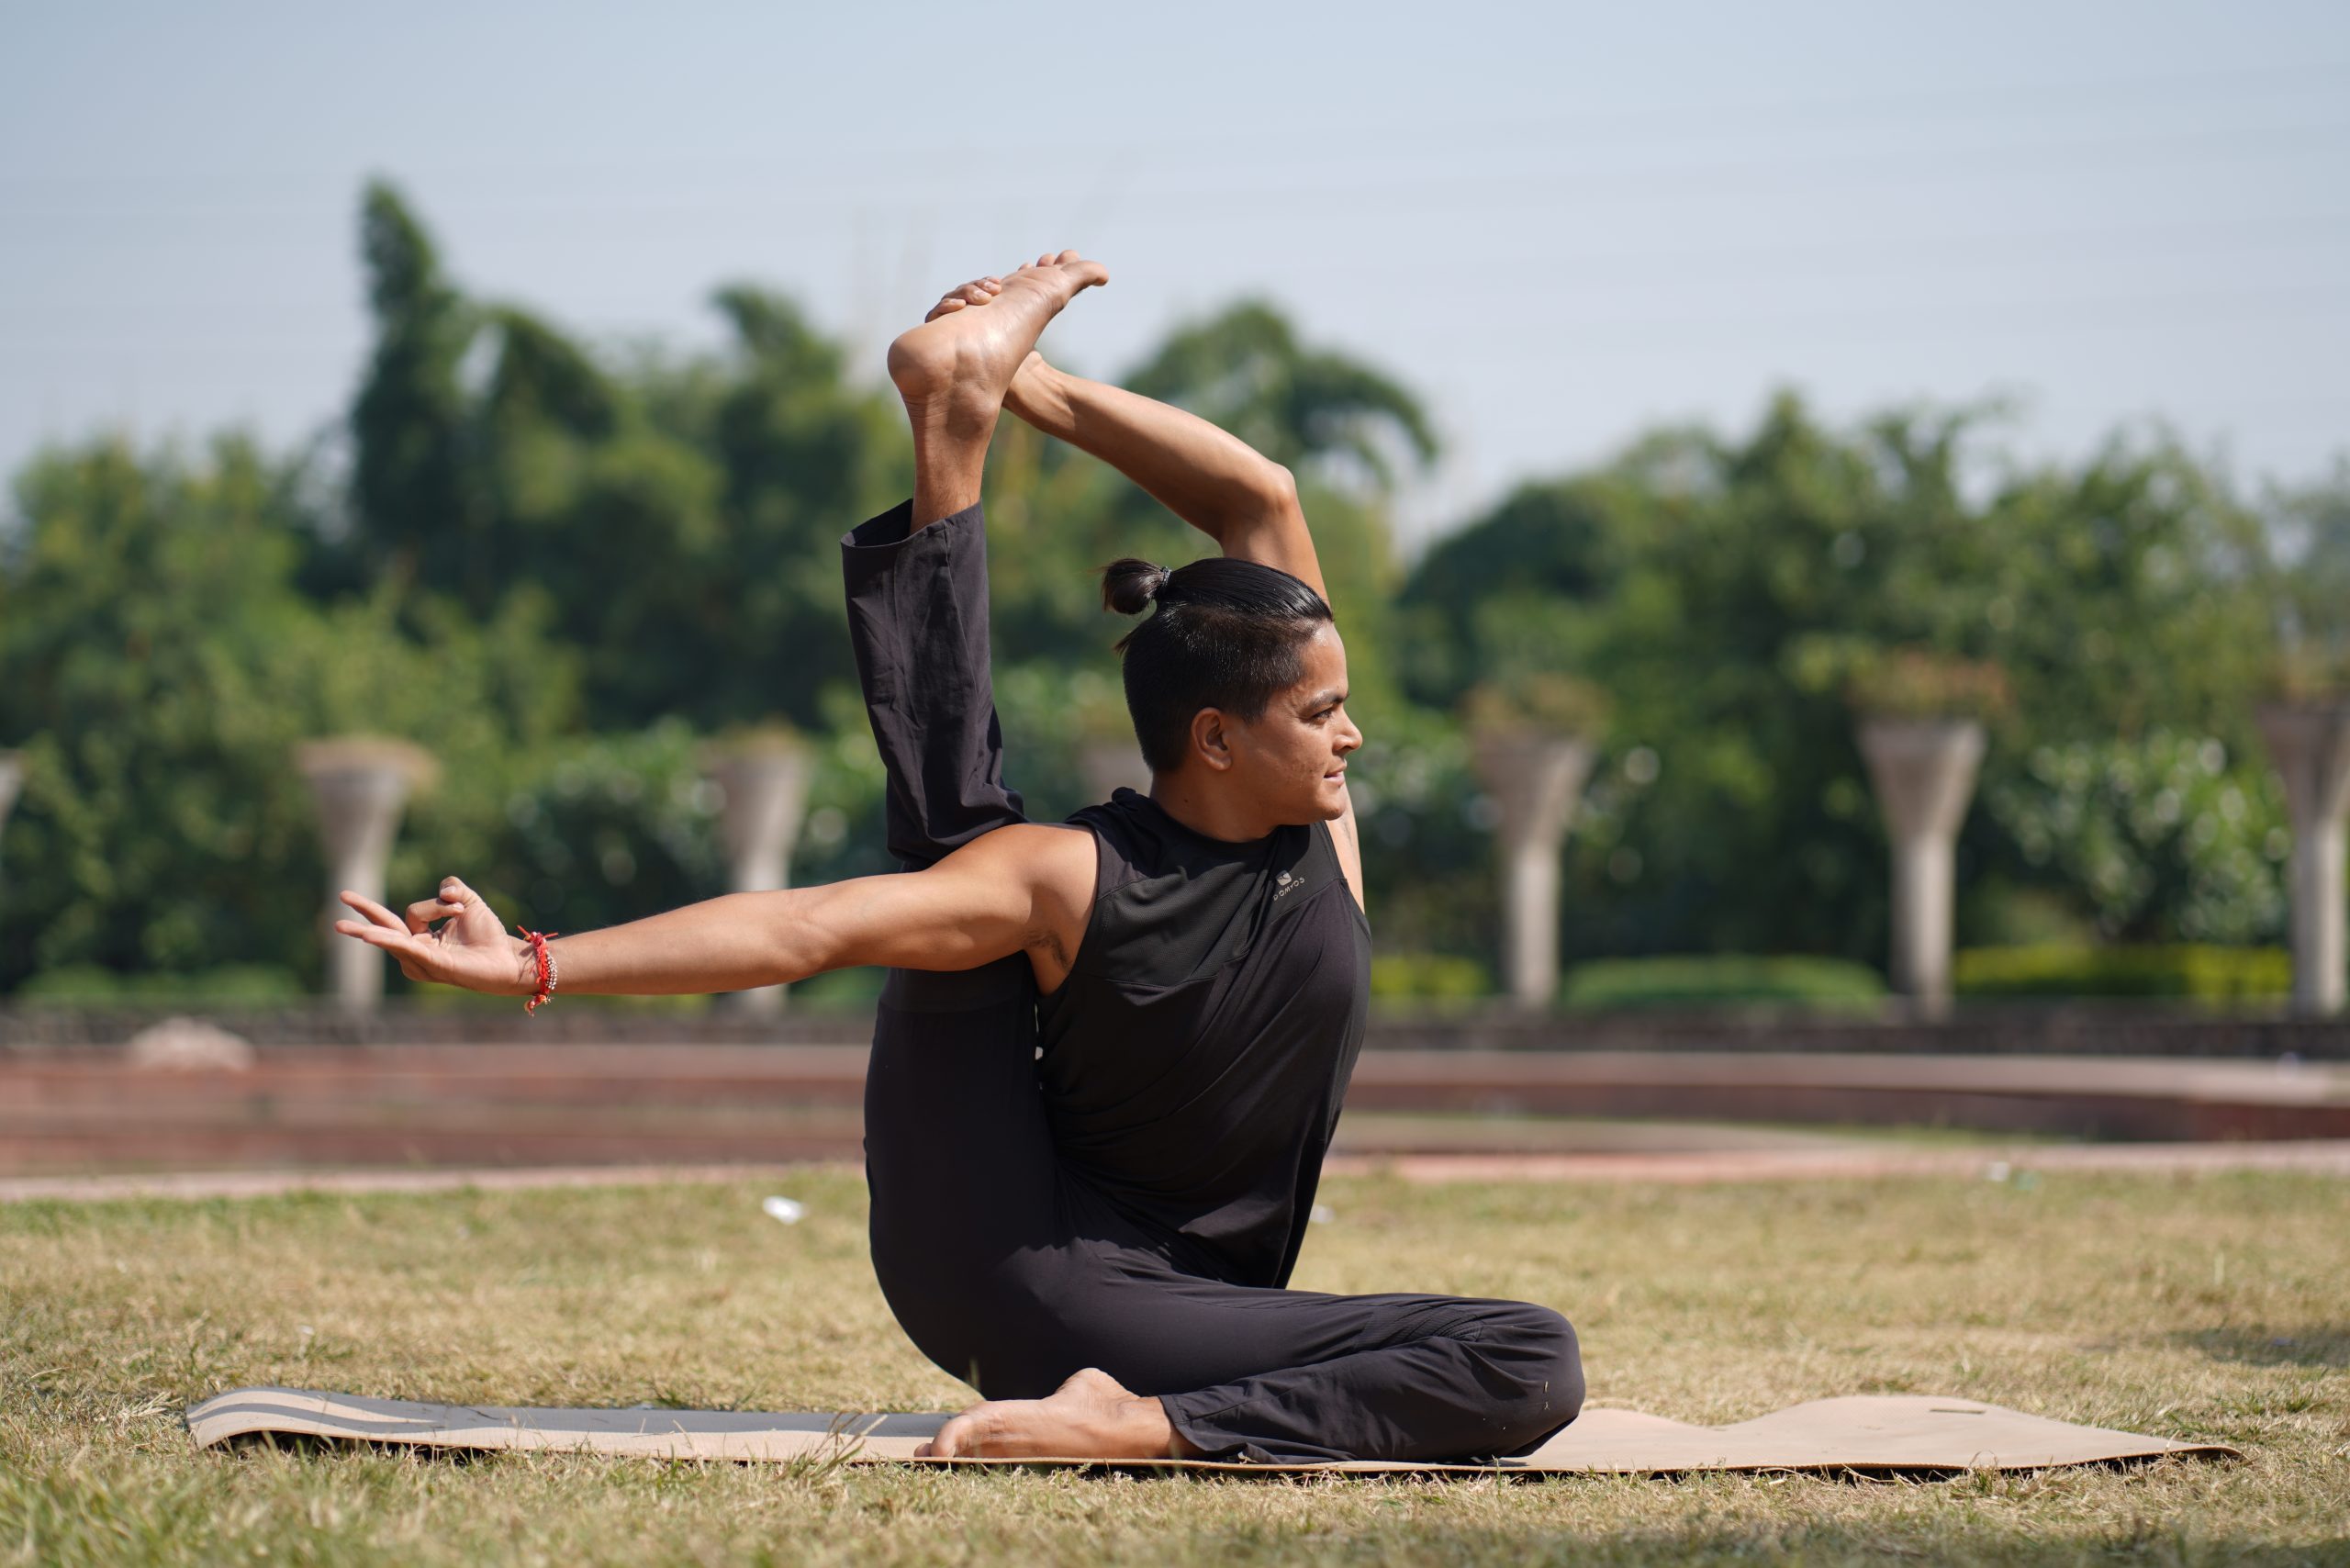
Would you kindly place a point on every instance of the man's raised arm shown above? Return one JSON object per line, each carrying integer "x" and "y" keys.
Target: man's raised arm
{"x": 1209, "y": 478}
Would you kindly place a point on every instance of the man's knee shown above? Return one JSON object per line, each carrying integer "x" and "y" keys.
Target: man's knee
{"x": 1547, "y": 1362}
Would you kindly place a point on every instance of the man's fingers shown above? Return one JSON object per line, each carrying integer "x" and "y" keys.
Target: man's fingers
{"x": 375, "y": 910}
{"x": 424, "y": 911}
{"x": 397, "y": 942}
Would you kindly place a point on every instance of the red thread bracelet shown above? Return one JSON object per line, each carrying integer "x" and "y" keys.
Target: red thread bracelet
{"x": 538, "y": 941}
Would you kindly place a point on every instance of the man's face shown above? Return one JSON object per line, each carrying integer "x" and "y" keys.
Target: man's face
{"x": 1292, "y": 757}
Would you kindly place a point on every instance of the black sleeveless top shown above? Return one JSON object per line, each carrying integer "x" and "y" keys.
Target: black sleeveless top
{"x": 1193, "y": 1062}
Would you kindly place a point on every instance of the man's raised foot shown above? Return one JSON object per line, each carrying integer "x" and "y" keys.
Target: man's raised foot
{"x": 968, "y": 351}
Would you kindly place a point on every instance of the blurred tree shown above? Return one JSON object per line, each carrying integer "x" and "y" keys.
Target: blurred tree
{"x": 680, "y": 518}
{"x": 801, "y": 456}
{"x": 556, "y": 564}
{"x": 2163, "y": 836}
{"x": 1305, "y": 409}
{"x": 1725, "y": 593}
{"x": 414, "y": 505}
{"x": 160, "y": 666}
{"x": 2311, "y": 588}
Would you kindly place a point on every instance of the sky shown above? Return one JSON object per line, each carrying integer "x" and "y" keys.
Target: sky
{"x": 1560, "y": 225}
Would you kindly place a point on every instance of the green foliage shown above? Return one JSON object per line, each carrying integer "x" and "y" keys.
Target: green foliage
{"x": 678, "y": 521}
{"x": 1427, "y": 844}
{"x": 2312, "y": 587}
{"x": 554, "y": 564}
{"x": 1728, "y": 595}
{"x": 164, "y": 665}
{"x": 410, "y": 486}
{"x": 2200, "y": 973}
{"x": 232, "y": 985}
{"x": 2159, "y": 836}
{"x": 1719, "y": 980}
{"x": 1537, "y": 701}
{"x": 608, "y": 827}
{"x": 1428, "y": 977}
{"x": 1244, "y": 369}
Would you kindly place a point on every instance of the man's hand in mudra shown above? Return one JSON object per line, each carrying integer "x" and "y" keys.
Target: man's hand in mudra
{"x": 454, "y": 939}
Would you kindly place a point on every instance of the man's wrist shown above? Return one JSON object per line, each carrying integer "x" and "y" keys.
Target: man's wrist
{"x": 526, "y": 969}
{"x": 1033, "y": 392}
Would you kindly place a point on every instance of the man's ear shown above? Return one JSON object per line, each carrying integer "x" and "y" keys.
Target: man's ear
{"x": 1209, "y": 741}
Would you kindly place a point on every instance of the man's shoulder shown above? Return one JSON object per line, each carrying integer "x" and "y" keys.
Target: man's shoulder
{"x": 1046, "y": 858}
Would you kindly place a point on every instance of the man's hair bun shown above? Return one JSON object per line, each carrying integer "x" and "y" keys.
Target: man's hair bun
{"x": 1129, "y": 584}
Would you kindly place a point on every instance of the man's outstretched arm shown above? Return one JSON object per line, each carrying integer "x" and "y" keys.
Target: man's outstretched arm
{"x": 1021, "y": 889}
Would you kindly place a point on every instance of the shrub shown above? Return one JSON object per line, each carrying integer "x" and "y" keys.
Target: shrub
{"x": 89, "y": 985}
{"x": 2202, "y": 972}
{"x": 1721, "y": 980}
{"x": 1428, "y": 977}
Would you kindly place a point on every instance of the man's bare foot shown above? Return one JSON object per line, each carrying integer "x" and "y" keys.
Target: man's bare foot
{"x": 1090, "y": 1416}
{"x": 967, "y": 351}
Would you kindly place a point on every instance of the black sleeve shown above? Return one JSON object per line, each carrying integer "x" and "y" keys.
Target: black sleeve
{"x": 918, "y": 620}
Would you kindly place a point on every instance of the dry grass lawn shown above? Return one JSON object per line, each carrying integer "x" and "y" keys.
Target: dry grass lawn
{"x": 2211, "y": 1308}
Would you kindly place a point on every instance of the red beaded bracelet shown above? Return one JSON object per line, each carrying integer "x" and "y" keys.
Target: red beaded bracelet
{"x": 538, "y": 941}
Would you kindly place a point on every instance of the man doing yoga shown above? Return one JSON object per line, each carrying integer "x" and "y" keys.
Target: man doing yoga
{"x": 1110, "y": 1054}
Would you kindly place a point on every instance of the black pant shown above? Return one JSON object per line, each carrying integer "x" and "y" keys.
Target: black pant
{"x": 1012, "y": 1273}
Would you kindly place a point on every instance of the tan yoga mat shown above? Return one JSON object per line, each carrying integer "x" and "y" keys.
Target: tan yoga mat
{"x": 1870, "y": 1432}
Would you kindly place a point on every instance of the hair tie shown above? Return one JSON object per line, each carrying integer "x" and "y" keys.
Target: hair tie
{"x": 1161, "y": 581}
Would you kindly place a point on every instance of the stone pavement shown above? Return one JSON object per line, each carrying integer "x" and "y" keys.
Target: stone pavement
{"x": 91, "y": 1109}
{"x": 1857, "y": 1160}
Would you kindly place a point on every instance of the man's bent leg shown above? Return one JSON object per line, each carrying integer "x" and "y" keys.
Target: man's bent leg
{"x": 1455, "y": 1380}
{"x": 1268, "y": 1375}
{"x": 918, "y": 622}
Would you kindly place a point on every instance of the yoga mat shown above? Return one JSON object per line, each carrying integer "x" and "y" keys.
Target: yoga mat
{"x": 1874, "y": 1432}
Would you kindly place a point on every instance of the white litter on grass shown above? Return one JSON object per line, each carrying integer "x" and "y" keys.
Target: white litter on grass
{"x": 1321, "y": 1213}
{"x": 1997, "y": 1172}
{"x": 788, "y": 1210}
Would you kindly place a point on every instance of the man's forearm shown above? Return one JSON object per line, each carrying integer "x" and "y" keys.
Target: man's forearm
{"x": 1210, "y": 478}
{"x": 739, "y": 942}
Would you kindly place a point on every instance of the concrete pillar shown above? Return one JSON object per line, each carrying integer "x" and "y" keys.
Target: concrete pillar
{"x": 12, "y": 779}
{"x": 1923, "y": 773}
{"x": 2311, "y": 745}
{"x": 764, "y": 779}
{"x": 360, "y": 785}
{"x": 1534, "y": 780}
{"x": 1110, "y": 764}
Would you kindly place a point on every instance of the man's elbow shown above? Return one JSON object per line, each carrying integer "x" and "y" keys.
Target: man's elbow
{"x": 1264, "y": 504}
{"x": 1276, "y": 489}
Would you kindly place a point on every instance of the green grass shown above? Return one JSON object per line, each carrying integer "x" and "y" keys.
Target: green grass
{"x": 2212, "y": 1307}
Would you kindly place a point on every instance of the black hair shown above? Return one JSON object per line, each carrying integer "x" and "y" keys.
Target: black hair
{"x": 1227, "y": 635}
